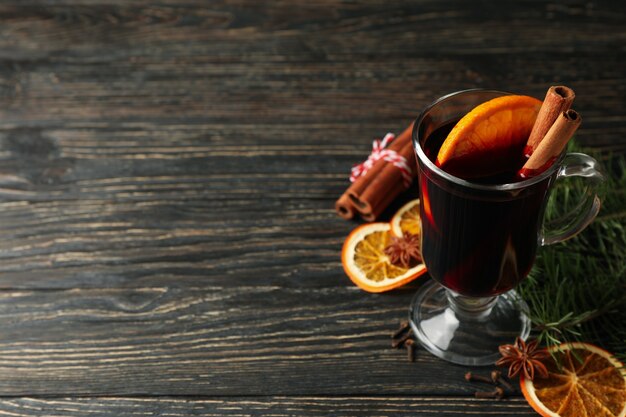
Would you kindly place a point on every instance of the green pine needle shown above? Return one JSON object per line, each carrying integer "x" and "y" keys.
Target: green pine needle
{"x": 576, "y": 290}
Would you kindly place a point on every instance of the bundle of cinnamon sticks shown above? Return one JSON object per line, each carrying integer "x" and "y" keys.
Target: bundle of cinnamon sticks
{"x": 372, "y": 192}
{"x": 554, "y": 127}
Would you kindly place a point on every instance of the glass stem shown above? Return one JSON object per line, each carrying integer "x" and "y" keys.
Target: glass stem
{"x": 470, "y": 307}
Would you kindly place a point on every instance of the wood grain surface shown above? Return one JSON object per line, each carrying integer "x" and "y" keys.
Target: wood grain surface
{"x": 168, "y": 243}
{"x": 264, "y": 406}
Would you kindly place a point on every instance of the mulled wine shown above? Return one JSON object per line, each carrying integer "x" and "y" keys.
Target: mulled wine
{"x": 482, "y": 223}
{"x": 479, "y": 244}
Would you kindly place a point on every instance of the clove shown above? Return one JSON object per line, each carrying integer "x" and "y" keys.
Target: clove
{"x": 409, "y": 344}
{"x": 404, "y": 326}
{"x": 477, "y": 378}
{"x": 496, "y": 377}
{"x": 396, "y": 343}
{"x": 498, "y": 394}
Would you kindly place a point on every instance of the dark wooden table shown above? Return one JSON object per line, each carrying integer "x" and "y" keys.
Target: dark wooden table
{"x": 168, "y": 244}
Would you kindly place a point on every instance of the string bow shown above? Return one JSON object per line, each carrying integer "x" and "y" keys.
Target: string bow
{"x": 380, "y": 151}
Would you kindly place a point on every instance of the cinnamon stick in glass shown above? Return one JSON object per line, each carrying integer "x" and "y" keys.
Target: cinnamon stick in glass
{"x": 558, "y": 99}
{"x": 552, "y": 144}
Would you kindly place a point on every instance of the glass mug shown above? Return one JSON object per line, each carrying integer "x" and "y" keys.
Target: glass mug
{"x": 479, "y": 241}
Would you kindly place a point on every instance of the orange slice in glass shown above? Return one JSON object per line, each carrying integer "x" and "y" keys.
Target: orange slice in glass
{"x": 407, "y": 219}
{"x": 490, "y": 138}
{"x": 589, "y": 383}
{"x": 364, "y": 260}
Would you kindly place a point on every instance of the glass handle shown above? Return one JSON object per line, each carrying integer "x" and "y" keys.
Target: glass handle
{"x": 573, "y": 222}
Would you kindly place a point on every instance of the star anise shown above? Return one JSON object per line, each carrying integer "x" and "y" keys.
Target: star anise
{"x": 402, "y": 250}
{"x": 524, "y": 357}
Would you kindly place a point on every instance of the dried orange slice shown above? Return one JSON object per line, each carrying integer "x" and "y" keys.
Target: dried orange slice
{"x": 588, "y": 383}
{"x": 489, "y": 138}
{"x": 364, "y": 260}
{"x": 407, "y": 219}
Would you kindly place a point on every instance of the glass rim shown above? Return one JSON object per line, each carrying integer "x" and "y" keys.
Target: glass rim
{"x": 511, "y": 186}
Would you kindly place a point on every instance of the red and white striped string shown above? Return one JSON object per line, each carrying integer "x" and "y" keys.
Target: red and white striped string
{"x": 380, "y": 151}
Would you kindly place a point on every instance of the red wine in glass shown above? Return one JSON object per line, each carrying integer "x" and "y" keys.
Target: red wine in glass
{"x": 477, "y": 246}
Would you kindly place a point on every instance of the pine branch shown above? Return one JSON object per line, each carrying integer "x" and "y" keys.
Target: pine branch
{"x": 577, "y": 289}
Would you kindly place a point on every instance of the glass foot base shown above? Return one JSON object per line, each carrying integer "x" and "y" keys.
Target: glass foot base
{"x": 466, "y": 336}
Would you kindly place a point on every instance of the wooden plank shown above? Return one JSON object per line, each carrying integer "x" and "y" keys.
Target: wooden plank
{"x": 175, "y": 230}
{"x": 162, "y": 90}
{"x": 327, "y": 25}
{"x": 231, "y": 341}
{"x": 265, "y": 406}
